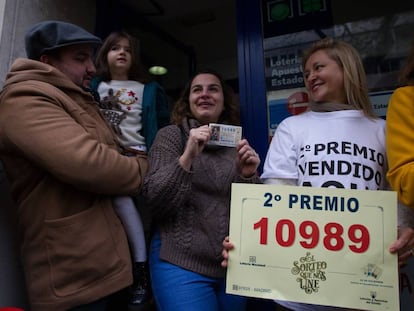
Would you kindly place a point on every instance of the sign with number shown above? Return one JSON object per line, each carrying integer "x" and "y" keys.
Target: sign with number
{"x": 314, "y": 245}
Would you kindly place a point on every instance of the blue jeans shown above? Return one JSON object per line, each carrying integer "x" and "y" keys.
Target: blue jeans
{"x": 175, "y": 288}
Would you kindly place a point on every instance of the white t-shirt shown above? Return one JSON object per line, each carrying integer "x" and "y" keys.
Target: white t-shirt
{"x": 342, "y": 149}
{"x": 121, "y": 104}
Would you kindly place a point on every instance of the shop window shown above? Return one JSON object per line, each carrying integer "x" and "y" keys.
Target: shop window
{"x": 382, "y": 34}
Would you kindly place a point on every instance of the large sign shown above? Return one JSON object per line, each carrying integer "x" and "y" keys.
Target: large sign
{"x": 308, "y": 244}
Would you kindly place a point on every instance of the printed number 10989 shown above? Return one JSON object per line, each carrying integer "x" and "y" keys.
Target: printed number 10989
{"x": 333, "y": 240}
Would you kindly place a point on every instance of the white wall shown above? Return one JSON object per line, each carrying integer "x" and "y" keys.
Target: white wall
{"x": 16, "y": 16}
{"x": 21, "y": 14}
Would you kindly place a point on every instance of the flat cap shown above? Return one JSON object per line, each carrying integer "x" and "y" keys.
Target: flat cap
{"x": 50, "y": 35}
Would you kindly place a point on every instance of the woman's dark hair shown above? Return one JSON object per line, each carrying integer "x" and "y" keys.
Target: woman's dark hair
{"x": 181, "y": 108}
{"x": 406, "y": 75}
{"x": 137, "y": 71}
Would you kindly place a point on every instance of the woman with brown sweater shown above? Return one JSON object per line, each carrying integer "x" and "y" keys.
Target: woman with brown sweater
{"x": 188, "y": 187}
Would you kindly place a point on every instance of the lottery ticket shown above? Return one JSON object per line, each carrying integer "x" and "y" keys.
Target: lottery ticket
{"x": 224, "y": 135}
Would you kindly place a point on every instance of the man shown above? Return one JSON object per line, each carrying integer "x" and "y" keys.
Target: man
{"x": 63, "y": 166}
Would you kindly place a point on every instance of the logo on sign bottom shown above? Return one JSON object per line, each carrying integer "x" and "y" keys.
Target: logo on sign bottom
{"x": 310, "y": 272}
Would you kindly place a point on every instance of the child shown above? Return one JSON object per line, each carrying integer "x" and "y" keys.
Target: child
{"x": 136, "y": 110}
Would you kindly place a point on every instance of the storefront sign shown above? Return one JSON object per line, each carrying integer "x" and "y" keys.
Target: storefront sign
{"x": 288, "y": 16}
{"x": 283, "y": 68}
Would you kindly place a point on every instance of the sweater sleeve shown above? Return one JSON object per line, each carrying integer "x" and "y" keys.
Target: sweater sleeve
{"x": 156, "y": 111}
{"x": 405, "y": 216}
{"x": 400, "y": 143}
{"x": 166, "y": 184}
{"x": 163, "y": 108}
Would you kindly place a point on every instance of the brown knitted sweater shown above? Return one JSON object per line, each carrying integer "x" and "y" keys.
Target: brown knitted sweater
{"x": 191, "y": 208}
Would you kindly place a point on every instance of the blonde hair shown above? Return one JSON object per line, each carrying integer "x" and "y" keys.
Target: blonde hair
{"x": 349, "y": 60}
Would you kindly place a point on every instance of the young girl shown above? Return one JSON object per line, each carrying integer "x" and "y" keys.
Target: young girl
{"x": 136, "y": 110}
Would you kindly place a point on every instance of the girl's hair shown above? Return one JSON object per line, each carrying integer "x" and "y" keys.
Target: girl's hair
{"x": 406, "y": 75}
{"x": 348, "y": 59}
{"x": 181, "y": 108}
{"x": 136, "y": 72}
